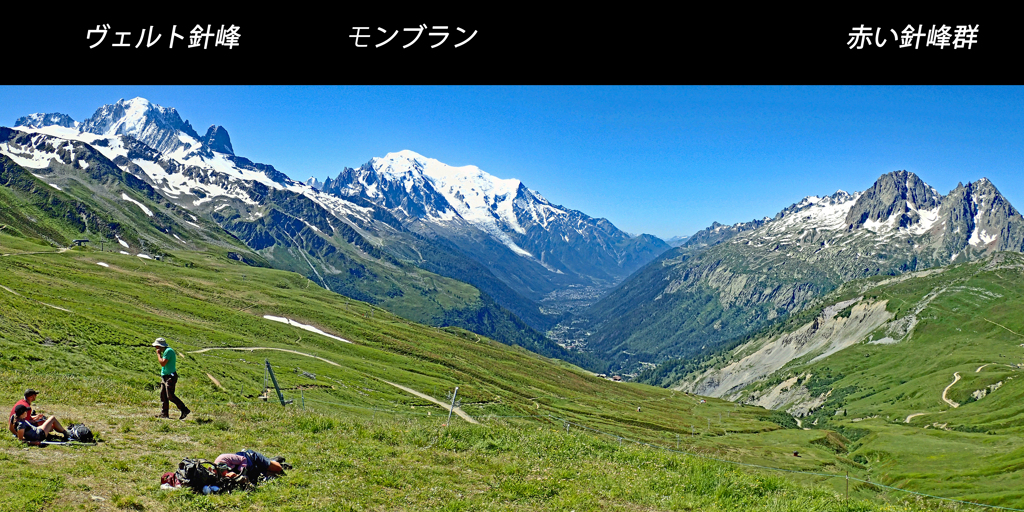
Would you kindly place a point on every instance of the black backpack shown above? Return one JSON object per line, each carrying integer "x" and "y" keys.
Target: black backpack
{"x": 79, "y": 432}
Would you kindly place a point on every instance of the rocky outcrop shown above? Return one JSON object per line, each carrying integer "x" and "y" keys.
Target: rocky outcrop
{"x": 898, "y": 193}
{"x": 217, "y": 139}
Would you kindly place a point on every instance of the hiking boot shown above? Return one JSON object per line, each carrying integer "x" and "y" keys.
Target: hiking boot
{"x": 165, "y": 416}
{"x": 185, "y": 413}
{"x": 279, "y": 459}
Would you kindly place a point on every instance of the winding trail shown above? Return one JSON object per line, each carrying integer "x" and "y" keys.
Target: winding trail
{"x": 912, "y": 416}
{"x": 956, "y": 377}
{"x": 458, "y": 410}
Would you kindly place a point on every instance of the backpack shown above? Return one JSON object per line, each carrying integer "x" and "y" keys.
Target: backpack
{"x": 79, "y": 432}
{"x": 199, "y": 473}
{"x": 196, "y": 473}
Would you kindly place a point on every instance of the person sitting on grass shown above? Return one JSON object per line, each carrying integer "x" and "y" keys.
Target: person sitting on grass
{"x": 33, "y": 417}
{"x": 30, "y": 433}
{"x": 251, "y": 464}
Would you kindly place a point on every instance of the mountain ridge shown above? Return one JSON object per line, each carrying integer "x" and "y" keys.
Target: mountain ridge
{"x": 728, "y": 281}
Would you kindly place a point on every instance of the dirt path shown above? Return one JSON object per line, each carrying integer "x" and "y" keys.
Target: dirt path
{"x": 1003, "y": 326}
{"x": 458, "y": 410}
{"x": 39, "y": 301}
{"x": 912, "y": 416}
{"x": 986, "y": 364}
{"x": 58, "y": 251}
{"x": 216, "y": 382}
{"x": 956, "y": 377}
{"x": 432, "y": 399}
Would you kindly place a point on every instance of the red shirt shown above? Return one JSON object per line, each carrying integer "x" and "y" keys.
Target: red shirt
{"x": 31, "y": 412}
{"x": 26, "y": 404}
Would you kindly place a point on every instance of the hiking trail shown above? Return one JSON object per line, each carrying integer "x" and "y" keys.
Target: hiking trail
{"x": 956, "y": 377}
{"x": 912, "y": 416}
{"x": 456, "y": 410}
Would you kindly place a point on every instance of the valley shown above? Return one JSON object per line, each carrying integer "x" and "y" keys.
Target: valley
{"x": 857, "y": 351}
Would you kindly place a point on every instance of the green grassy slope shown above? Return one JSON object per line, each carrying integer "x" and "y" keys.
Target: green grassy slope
{"x": 93, "y": 198}
{"x": 80, "y": 333}
{"x": 888, "y": 398}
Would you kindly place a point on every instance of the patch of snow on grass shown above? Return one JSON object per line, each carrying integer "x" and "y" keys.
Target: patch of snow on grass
{"x": 309, "y": 328}
{"x": 140, "y": 205}
{"x": 100, "y": 263}
{"x": 146, "y": 256}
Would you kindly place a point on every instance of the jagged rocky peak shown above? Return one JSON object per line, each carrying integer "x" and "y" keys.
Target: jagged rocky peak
{"x": 897, "y": 193}
{"x": 43, "y": 120}
{"x": 156, "y": 126}
{"x": 217, "y": 139}
{"x": 979, "y": 214}
{"x": 315, "y": 183}
{"x": 840, "y": 197}
{"x": 718, "y": 232}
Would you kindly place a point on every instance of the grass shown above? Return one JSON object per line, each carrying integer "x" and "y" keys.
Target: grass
{"x": 969, "y": 323}
{"x": 80, "y": 334}
{"x": 360, "y": 462}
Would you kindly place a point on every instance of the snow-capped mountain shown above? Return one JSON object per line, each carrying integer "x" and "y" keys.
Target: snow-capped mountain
{"x": 456, "y": 203}
{"x": 726, "y": 281}
{"x": 155, "y": 144}
{"x": 530, "y": 244}
{"x": 358, "y": 242}
{"x": 41, "y": 120}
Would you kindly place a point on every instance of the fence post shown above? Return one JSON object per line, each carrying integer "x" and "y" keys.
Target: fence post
{"x": 280, "y": 395}
{"x": 455, "y": 394}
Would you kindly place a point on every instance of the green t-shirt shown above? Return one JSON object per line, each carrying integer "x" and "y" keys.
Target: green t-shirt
{"x": 172, "y": 359}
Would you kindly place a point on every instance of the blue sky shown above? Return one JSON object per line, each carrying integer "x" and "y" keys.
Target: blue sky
{"x": 660, "y": 160}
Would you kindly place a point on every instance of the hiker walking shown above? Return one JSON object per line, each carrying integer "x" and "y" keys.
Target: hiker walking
{"x": 168, "y": 378}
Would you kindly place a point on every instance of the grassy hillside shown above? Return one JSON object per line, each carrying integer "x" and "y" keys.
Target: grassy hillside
{"x": 88, "y": 196}
{"x": 932, "y": 398}
{"x": 79, "y": 332}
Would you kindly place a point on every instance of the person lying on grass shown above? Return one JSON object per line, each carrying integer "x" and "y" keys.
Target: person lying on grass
{"x": 30, "y": 433}
{"x": 251, "y": 465}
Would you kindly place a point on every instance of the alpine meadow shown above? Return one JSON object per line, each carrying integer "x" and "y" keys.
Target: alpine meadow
{"x": 414, "y": 335}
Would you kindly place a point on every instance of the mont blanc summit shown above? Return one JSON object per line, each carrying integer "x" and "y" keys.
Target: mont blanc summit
{"x": 368, "y": 233}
